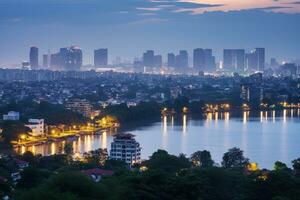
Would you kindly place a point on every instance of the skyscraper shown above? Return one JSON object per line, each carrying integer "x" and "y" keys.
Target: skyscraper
{"x": 34, "y": 58}
{"x": 260, "y": 52}
{"x": 171, "y": 60}
{"x": 148, "y": 58}
{"x": 101, "y": 57}
{"x": 46, "y": 61}
{"x": 158, "y": 61}
{"x": 255, "y": 60}
{"x": 199, "y": 59}
{"x": 204, "y": 60}
{"x": 69, "y": 59}
{"x": 234, "y": 60}
{"x": 182, "y": 60}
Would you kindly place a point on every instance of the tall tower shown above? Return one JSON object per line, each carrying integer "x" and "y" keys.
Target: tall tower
{"x": 101, "y": 57}
{"x": 34, "y": 57}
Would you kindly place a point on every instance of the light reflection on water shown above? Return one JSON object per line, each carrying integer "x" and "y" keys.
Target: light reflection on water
{"x": 265, "y": 137}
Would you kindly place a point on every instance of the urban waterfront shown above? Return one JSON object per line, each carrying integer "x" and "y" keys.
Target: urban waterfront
{"x": 265, "y": 136}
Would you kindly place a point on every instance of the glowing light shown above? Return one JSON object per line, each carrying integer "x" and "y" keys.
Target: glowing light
{"x": 53, "y": 147}
{"x": 252, "y": 167}
{"x": 227, "y": 116}
{"x": 165, "y": 124}
{"x": 104, "y": 140}
{"x": 284, "y": 116}
{"x": 184, "y": 123}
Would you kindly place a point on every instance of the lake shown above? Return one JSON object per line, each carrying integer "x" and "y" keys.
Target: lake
{"x": 265, "y": 137}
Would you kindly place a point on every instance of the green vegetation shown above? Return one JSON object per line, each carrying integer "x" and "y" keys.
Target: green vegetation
{"x": 164, "y": 176}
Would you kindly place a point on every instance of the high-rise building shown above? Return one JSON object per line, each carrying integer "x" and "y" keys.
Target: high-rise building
{"x": 69, "y": 59}
{"x": 125, "y": 148}
{"x": 101, "y": 57}
{"x": 171, "y": 60}
{"x": 199, "y": 59}
{"x": 148, "y": 58}
{"x": 204, "y": 60}
{"x": 234, "y": 60}
{"x": 34, "y": 57}
{"x": 260, "y": 52}
{"x": 255, "y": 60}
{"x": 46, "y": 61}
{"x": 182, "y": 60}
{"x": 158, "y": 61}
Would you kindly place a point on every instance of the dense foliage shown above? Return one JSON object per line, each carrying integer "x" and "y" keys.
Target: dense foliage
{"x": 166, "y": 177}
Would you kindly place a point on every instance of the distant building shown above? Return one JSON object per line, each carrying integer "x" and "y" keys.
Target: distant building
{"x": 182, "y": 60}
{"x": 234, "y": 60}
{"x": 25, "y": 65}
{"x": 255, "y": 60}
{"x": 261, "y": 58}
{"x": 11, "y": 116}
{"x": 203, "y": 60}
{"x": 69, "y": 59}
{"x": 274, "y": 63}
{"x": 199, "y": 59}
{"x": 46, "y": 61}
{"x": 81, "y": 106}
{"x": 158, "y": 61}
{"x": 34, "y": 58}
{"x": 171, "y": 60}
{"x": 124, "y": 147}
{"x": 37, "y": 127}
{"x": 148, "y": 58}
{"x": 101, "y": 57}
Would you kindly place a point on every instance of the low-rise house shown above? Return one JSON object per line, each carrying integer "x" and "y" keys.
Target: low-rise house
{"x": 97, "y": 174}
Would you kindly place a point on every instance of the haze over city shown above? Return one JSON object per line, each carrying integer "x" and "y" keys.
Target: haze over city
{"x": 149, "y": 99}
{"x": 130, "y": 27}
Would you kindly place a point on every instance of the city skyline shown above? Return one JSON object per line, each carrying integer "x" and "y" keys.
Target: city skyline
{"x": 130, "y": 27}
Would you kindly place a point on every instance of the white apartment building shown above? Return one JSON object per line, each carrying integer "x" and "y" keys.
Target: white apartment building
{"x": 11, "y": 116}
{"x": 37, "y": 126}
{"x": 125, "y": 148}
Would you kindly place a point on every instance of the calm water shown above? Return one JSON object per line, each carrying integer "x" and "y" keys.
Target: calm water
{"x": 265, "y": 137}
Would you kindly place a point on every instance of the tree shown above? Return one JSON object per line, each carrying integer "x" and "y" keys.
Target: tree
{"x": 98, "y": 156}
{"x": 280, "y": 166}
{"x": 202, "y": 159}
{"x": 296, "y": 165}
{"x": 68, "y": 151}
{"x": 234, "y": 158}
{"x": 169, "y": 163}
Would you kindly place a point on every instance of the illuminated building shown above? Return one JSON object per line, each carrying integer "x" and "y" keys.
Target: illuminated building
{"x": 124, "y": 147}
{"x": 81, "y": 106}
{"x": 37, "y": 127}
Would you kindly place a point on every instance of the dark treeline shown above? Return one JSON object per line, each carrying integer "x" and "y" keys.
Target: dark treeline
{"x": 162, "y": 176}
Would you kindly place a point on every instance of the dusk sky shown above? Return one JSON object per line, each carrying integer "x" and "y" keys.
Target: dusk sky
{"x": 129, "y": 27}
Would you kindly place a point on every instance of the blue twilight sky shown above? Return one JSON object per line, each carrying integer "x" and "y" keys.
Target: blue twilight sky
{"x": 128, "y": 27}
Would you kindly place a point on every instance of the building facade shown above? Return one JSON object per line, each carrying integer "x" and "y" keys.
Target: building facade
{"x": 34, "y": 58}
{"x": 11, "y": 116}
{"x": 81, "y": 106}
{"x": 125, "y": 148}
{"x": 101, "y": 57}
{"x": 37, "y": 127}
